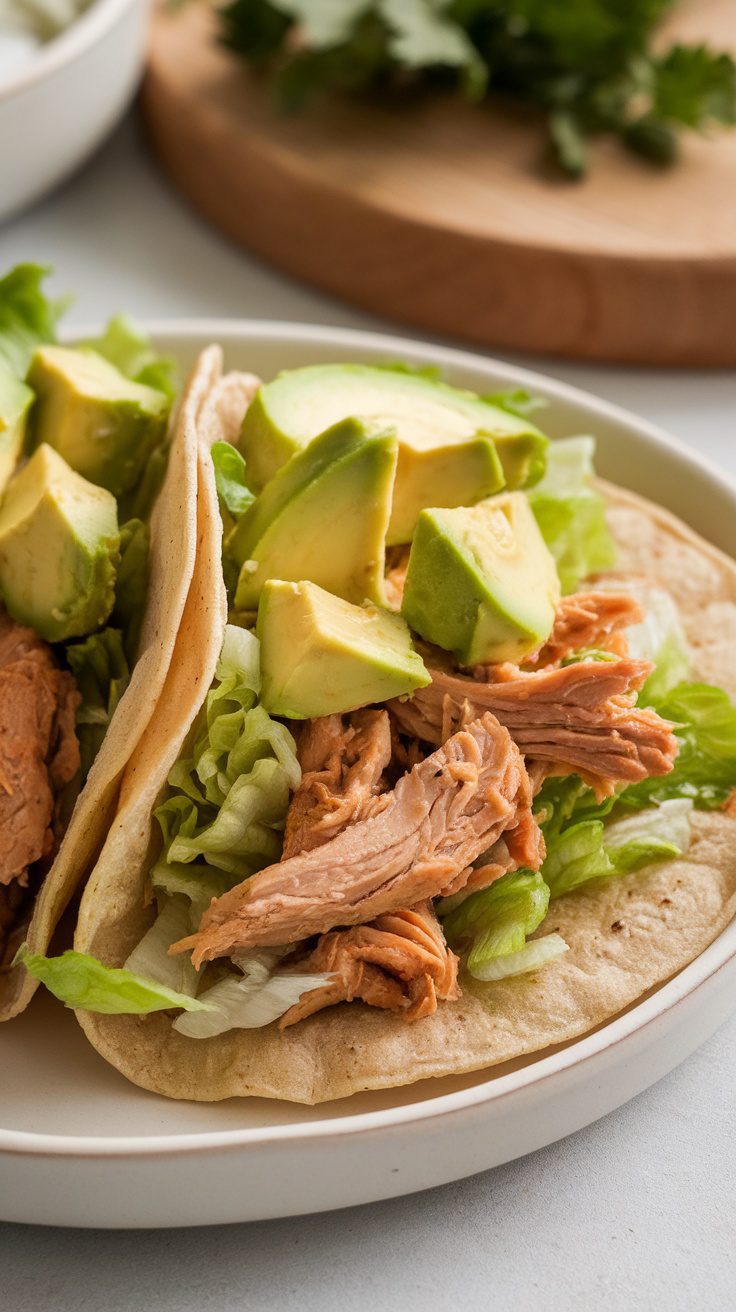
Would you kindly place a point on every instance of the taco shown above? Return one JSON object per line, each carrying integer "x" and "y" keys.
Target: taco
{"x": 97, "y": 547}
{"x": 413, "y": 810}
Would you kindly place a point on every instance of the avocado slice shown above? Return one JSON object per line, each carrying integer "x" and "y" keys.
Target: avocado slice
{"x": 323, "y": 517}
{"x": 59, "y": 548}
{"x": 454, "y": 448}
{"x": 320, "y": 654}
{"x": 15, "y": 402}
{"x": 104, "y": 425}
{"x": 481, "y": 582}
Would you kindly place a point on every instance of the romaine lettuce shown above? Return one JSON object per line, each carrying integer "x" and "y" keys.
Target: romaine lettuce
{"x": 101, "y": 672}
{"x": 535, "y": 954}
{"x": 28, "y": 318}
{"x": 126, "y": 345}
{"x": 150, "y": 958}
{"x": 571, "y": 514}
{"x": 659, "y": 638}
{"x": 591, "y": 849}
{"x": 261, "y": 996}
{"x": 78, "y": 980}
{"x": 232, "y": 489}
{"x": 496, "y": 921}
{"x": 705, "y": 767}
{"x": 229, "y": 798}
{"x": 131, "y": 584}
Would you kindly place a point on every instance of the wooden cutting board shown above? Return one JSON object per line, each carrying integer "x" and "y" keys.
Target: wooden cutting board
{"x": 440, "y": 216}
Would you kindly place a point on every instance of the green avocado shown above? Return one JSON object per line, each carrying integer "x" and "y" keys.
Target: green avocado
{"x": 481, "y": 582}
{"x": 323, "y": 517}
{"x": 320, "y": 654}
{"x": 15, "y": 402}
{"x": 104, "y": 425}
{"x": 59, "y": 548}
{"x": 454, "y": 447}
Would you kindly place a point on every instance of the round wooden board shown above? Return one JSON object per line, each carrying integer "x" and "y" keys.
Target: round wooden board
{"x": 440, "y": 217}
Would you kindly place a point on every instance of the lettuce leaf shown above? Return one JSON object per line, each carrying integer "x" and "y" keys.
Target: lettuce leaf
{"x": 592, "y": 849}
{"x": 127, "y": 345}
{"x": 232, "y": 489}
{"x": 78, "y": 980}
{"x": 150, "y": 958}
{"x": 191, "y": 881}
{"x": 101, "y": 672}
{"x": 230, "y": 796}
{"x": 496, "y": 921}
{"x": 571, "y": 514}
{"x": 257, "y": 999}
{"x": 539, "y": 952}
{"x": 131, "y": 584}
{"x": 660, "y": 639}
{"x": 705, "y": 767}
{"x": 27, "y": 317}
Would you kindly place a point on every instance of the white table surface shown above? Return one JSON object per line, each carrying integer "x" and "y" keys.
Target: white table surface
{"x": 637, "y": 1211}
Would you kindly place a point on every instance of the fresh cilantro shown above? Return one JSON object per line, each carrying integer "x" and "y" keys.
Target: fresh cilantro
{"x": 591, "y": 66}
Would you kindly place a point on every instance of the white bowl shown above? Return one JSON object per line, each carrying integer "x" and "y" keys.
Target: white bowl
{"x": 79, "y": 1146}
{"x": 68, "y": 98}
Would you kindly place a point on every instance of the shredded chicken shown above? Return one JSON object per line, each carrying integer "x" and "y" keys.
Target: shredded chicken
{"x": 39, "y": 752}
{"x": 577, "y": 718}
{"x": 346, "y": 763}
{"x": 343, "y": 760}
{"x": 439, "y": 818}
{"x": 399, "y": 962}
{"x": 587, "y": 619}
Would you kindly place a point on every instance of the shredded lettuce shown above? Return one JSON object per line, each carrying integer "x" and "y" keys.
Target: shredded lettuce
{"x": 588, "y": 654}
{"x": 659, "y": 638}
{"x": 591, "y": 849}
{"x": 191, "y": 881}
{"x": 571, "y": 514}
{"x": 257, "y": 999}
{"x": 126, "y": 345}
{"x": 101, "y": 672}
{"x": 229, "y": 798}
{"x": 150, "y": 958}
{"x": 539, "y": 952}
{"x": 131, "y": 584}
{"x": 232, "y": 488}
{"x": 584, "y": 843}
{"x": 705, "y": 767}
{"x": 28, "y": 318}
{"x": 496, "y": 921}
{"x": 78, "y": 980}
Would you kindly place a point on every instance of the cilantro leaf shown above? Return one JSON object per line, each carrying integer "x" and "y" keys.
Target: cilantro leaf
{"x": 590, "y": 66}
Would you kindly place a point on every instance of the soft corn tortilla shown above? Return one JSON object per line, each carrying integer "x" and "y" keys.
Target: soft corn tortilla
{"x": 625, "y": 936}
{"x": 172, "y": 557}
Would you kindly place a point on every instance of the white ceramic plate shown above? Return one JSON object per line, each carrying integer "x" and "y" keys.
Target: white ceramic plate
{"x": 80, "y": 1146}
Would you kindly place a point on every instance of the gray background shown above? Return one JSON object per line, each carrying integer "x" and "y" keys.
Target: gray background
{"x": 635, "y": 1212}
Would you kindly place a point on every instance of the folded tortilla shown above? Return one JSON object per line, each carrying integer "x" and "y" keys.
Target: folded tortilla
{"x": 626, "y": 936}
{"x": 171, "y": 564}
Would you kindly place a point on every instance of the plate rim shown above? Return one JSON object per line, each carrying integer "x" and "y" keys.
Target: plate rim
{"x": 665, "y": 999}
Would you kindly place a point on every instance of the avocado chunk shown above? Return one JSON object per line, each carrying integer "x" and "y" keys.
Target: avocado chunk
{"x": 322, "y": 517}
{"x": 59, "y": 547}
{"x": 320, "y": 654}
{"x": 448, "y": 452}
{"x": 15, "y": 402}
{"x": 481, "y": 582}
{"x": 104, "y": 425}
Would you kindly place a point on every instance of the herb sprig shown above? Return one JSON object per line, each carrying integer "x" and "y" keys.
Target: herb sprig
{"x": 591, "y": 67}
